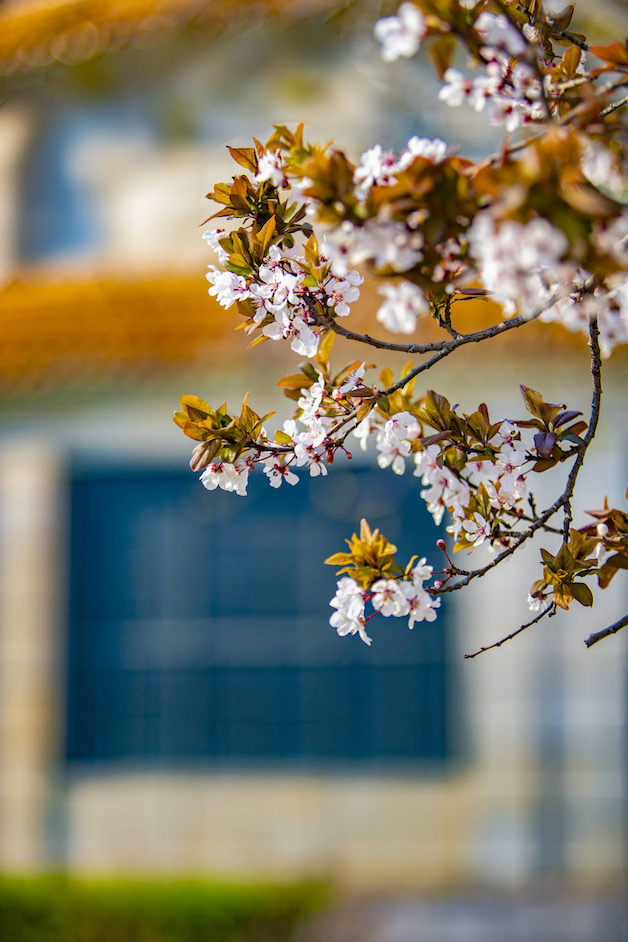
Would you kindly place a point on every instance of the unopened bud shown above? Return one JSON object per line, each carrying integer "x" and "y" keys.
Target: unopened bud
{"x": 438, "y": 584}
{"x": 441, "y": 544}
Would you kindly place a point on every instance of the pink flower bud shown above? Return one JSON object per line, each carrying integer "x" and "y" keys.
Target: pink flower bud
{"x": 440, "y": 544}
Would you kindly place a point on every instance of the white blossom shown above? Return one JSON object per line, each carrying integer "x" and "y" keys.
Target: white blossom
{"x": 401, "y": 35}
{"x": 212, "y": 237}
{"x": 343, "y": 292}
{"x": 401, "y": 425}
{"x": 392, "y": 453}
{"x": 376, "y": 168}
{"x": 278, "y": 471}
{"x": 364, "y": 429}
{"x": 422, "y": 605}
{"x": 506, "y": 434}
{"x": 426, "y": 462}
{"x": 608, "y": 304}
{"x": 227, "y": 476}
{"x": 456, "y": 89}
{"x": 386, "y": 244}
{"x": 348, "y": 619}
{"x": 389, "y": 598}
{"x": 496, "y": 31}
{"x": 404, "y": 303}
{"x": 352, "y": 380}
{"x": 421, "y": 571}
{"x": 534, "y": 605}
{"x": 270, "y": 166}
{"x": 477, "y": 529}
{"x": 307, "y": 456}
{"x": 429, "y": 148}
{"x": 518, "y": 263}
{"x": 226, "y": 286}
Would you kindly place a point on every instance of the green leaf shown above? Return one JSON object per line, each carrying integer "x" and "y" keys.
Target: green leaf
{"x": 294, "y": 381}
{"x": 339, "y": 559}
{"x": 581, "y": 593}
{"x": 571, "y": 60}
{"x": 245, "y": 156}
{"x": 548, "y": 559}
{"x": 564, "y": 559}
{"x": 617, "y": 561}
{"x": 196, "y": 408}
{"x": 533, "y": 400}
{"x": 266, "y": 234}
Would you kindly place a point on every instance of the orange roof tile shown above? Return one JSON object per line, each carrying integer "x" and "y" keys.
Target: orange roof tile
{"x": 55, "y": 332}
{"x": 36, "y": 33}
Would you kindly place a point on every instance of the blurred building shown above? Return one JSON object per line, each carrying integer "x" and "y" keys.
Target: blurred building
{"x": 171, "y": 695}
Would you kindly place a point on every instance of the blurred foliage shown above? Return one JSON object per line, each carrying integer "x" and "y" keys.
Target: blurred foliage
{"x": 59, "y": 909}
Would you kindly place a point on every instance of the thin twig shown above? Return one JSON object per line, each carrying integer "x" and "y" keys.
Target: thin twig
{"x": 448, "y": 346}
{"x": 564, "y": 120}
{"x": 548, "y": 21}
{"x": 616, "y": 105}
{"x": 571, "y": 83}
{"x": 547, "y": 611}
{"x": 606, "y": 632}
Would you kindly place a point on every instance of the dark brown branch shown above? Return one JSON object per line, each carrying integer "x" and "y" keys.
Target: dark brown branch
{"x": 489, "y": 647}
{"x": 444, "y": 346}
{"x": 419, "y": 348}
{"x": 596, "y": 399}
{"x": 606, "y": 632}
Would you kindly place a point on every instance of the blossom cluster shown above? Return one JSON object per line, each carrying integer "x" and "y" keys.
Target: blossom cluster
{"x": 524, "y": 266}
{"x": 509, "y": 85}
{"x": 541, "y": 228}
{"x": 230, "y": 448}
{"x": 282, "y": 300}
{"x": 400, "y": 598}
{"x": 500, "y": 475}
{"x": 511, "y": 93}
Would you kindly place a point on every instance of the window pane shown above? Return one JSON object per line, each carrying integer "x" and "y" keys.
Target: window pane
{"x": 199, "y": 624}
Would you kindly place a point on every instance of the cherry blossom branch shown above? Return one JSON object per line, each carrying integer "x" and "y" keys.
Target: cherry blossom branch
{"x": 442, "y": 346}
{"x": 550, "y": 610}
{"x": 446, "y": 347}
{"x": 532, "y": 60}
{"x": 606, "y": 632}
{"x": 596, "y": 373}
{"x": 443, "y": 349}
{"x": 565, "y": 498}
{"x": 519, "y": 514}
{"x": 564, "y": 120}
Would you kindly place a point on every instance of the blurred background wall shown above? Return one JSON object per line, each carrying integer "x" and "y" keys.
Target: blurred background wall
{"x": 172, "y": 698}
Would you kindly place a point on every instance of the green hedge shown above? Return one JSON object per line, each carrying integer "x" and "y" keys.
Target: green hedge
{"x": 58, "y": 909}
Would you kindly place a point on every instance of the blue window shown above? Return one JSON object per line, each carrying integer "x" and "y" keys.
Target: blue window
{"x": 199, "y": 625}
